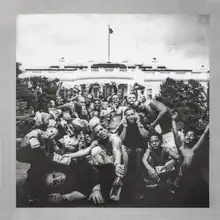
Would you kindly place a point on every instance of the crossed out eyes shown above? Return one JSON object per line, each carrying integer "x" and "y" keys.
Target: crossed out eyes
{"x": 54, "y": 180}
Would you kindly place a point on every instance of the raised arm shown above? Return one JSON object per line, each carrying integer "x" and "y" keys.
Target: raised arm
{"x": 58, "y": 89}
{"x": 90, "y": 88}
{"x": 201, "y": 139}
{"x": 138, "y": 86}
{"x": 177, "y": 138}
{"x": 74, "y": 98}
{"x": 189, "y": 153}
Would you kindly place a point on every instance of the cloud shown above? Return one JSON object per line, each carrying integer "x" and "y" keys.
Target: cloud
{"x": 173, "y": 39}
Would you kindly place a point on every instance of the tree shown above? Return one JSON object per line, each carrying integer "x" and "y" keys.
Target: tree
{"x": 22, "y": 91}
{"x": 45, "y": 83}
{"x": 18, "y": 70}
{"x": 189, "y": 99}
{"x": 48, "y": 91}
{"x": 28, "y": 97}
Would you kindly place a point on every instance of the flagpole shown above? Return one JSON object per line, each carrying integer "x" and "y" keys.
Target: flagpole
{"x": 108, "y": 44}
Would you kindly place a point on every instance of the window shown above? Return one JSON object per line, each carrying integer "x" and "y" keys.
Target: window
{"x": 149, "y": 97}
{"x": 83, "y": 86}
{"x": 107, "y": 90}
{"x": 149, "y": 93}
{"x": 123, "y": 88}
{"x": 109, "y": 69}
{"x": 95, "y": 69}
{"x": 56, "y": 67}
{"x": 95, "y": 92}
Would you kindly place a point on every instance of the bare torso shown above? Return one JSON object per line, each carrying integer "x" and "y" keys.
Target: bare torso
{"x": 116, "y": 118}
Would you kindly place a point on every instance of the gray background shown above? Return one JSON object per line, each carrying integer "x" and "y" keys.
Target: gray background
{"x": 8, "y": 11}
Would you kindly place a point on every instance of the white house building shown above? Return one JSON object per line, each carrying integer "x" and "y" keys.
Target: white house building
{"x": 124, "y": 75}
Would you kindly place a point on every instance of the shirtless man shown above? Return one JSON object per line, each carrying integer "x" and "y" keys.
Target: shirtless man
{"x": 110, "y": 156}
{"x": 71, "y": 95}
{"x": 74, "y": 109}
{"x": 56, "y": 113}
{"x": 116, "y": 114}
{"x": 97, "y": 108}
{"x": 42, "y": 119}
{"x": 113, "y": 150}
{"x": 142, "y": 99}
{"x": 68, "y": 111}
{"x": 105, "y": 110}
{"x": 156, "y": 112}
{"x": 89, "y": 102}
{"x": 81, "y": 108}
{"x": 68, "y": 144}
{"x": 84, "y": 93}
{"x": 131, "y": 100}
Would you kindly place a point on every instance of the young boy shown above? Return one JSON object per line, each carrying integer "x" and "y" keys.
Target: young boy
{"x": 159, "y": 163}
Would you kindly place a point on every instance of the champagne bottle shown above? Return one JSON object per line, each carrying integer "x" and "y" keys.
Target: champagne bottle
{"x": 116, "y": 189}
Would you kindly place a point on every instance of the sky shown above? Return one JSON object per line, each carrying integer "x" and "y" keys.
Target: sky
{"x": 177, "y": 41}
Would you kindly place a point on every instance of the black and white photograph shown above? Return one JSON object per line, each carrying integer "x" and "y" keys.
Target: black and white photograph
{"x": 112, "y": 110}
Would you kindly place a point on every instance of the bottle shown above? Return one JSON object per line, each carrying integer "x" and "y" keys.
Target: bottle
{"x": 116, "y": 189}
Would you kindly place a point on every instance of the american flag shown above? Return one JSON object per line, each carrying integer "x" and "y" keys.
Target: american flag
{"x": 110, "y": 30}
